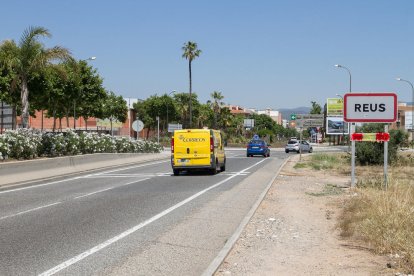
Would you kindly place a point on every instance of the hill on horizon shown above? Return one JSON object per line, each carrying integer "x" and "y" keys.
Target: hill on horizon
{"x": 286, "y": 112}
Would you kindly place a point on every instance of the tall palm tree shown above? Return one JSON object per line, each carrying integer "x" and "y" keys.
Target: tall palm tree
{"x": 190, "y": 53}
{"x": 30, "y": 56}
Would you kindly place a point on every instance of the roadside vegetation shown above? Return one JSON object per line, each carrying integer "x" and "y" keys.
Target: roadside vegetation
{"x": 29, "y": 144}
{"x": 34, "y": 78}
{"x": 382, "y": 219}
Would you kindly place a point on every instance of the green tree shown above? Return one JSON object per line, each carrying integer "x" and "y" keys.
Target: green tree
{"x": 215, "y": 105}
{"x": 182, "y": 100}
{"x": 371, "y": 153}
{"x": 316, "y": 108}
{"x": 91, "y": 93}
{"x": 190, "y": 52}
{"x": 205, "y": 116}
{"x": 28, "y": 57}
{"x": 114, "y": 108}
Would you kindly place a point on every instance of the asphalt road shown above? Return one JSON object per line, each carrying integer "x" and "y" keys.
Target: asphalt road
{"x": 136, "y": 220}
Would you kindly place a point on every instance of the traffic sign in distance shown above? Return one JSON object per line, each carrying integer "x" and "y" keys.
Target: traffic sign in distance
{"x": 137, "y": 125}
{"x": 293, "y": 117}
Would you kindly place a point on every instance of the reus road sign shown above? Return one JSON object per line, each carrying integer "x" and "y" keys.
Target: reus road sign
{"x": 370, "y": 107}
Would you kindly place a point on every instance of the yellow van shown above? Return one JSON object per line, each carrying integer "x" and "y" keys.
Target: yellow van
{"x": 193, "y": 149}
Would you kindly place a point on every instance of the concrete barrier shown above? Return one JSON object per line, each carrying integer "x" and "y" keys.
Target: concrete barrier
{"x": 21, "y": 171}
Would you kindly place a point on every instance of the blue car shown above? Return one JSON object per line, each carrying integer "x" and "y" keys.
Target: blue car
{"x": 258, "y": 147}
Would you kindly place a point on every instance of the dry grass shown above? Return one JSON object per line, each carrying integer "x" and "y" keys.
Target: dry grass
{"x": 384, "y": 220}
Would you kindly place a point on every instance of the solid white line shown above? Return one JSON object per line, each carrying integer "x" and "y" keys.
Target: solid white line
{"x": 110, "y": 188}
{"x": 127, "y": 168}
{"x": 31, "y": 210}
{"x": 78, "y": 177}
{"x": 137, "y": 227}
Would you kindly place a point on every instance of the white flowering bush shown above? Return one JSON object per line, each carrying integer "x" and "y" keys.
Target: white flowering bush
{"x": 53, "y": 144}
{"x": 29, "y": 143}
{"x": 4, "y": 148}
{"x": 72, "y": 143}
{"x": 23, "y": 143}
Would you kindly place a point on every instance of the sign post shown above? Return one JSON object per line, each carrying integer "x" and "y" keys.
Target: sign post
{"x": 365, "y": 108}
{"x": 386, "y": 159}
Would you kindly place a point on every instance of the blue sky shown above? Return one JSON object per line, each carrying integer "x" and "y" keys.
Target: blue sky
{"x": 259, "y": 54}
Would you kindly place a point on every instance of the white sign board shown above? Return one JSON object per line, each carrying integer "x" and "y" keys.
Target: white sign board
{"x": 370, "y": 107}
{"x": 172, "y": 127}
{"x": 336, "y": 126}
{"x": 408, "y": 120}
{"x": 248, "y": 123}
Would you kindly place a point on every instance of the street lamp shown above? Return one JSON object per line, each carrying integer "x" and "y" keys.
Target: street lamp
{"x": 74, "y": 101}
{"x": 349, "y": 72}
{"x": 352, "y": 130}
{"x": 172, "y": 92}
{"x": 412, "y": 111}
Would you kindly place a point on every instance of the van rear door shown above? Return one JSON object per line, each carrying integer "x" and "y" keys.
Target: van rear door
{"x": 192, "y": 148}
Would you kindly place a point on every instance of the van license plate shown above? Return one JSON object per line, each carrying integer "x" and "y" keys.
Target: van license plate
{"x": 183, "y": 160}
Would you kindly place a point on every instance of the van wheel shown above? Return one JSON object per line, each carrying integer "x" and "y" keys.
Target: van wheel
{"x": 223, "y": 168}
{"x": 176, "y": 172}
{"x": 213, "y": 171}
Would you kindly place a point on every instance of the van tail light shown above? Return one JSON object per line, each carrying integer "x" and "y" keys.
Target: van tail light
{"x": 172, "y": 145}
{"x": 211, "y": 144}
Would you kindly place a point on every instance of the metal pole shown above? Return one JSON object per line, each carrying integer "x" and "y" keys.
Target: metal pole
{"x": 74, "y": 114}
{"x": 386, "y": 159}
{"x": 158, "y": 129}
{"x": 352, "y": 131}
{"x": 2, "y": 114}
{"x": 300, "y": 145}
{"x": 353, "y": 158}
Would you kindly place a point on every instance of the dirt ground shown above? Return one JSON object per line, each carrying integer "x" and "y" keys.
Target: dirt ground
{"x": 293, "y": 231}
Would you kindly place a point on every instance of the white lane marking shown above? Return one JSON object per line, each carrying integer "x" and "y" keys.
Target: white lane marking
{"x": 131, "y": 167}
{"x": 128, "y": 232}
{"x": 78, "y": 177}
{"x": 110, "y": 188}
{"x": 130, "y": 175}
{"x": 31, "y": 210}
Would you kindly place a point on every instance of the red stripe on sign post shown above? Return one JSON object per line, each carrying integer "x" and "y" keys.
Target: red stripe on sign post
{"x": 357, "y": 136}
{"x": 371, "y": 137}
{"x": 383, "y": 137}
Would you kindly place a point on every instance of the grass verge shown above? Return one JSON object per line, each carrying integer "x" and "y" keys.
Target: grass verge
{"x": 384, "y": 220}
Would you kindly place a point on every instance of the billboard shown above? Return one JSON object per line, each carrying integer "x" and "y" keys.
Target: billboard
{"x": 408, "y": 120}
{"x": 334, "y": 107}
{"x": 336, "y": 126}
{"x": 107, "y": 123}
{"x": 6, "y": 116}
{"x": 248, "y": 123}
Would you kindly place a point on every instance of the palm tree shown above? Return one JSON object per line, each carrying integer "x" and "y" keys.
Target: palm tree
{"x": 216, "y": 105}
{"x": 190, "y": 53}
{"x": 30, "y": 56}
{"x": 316, "y": 108}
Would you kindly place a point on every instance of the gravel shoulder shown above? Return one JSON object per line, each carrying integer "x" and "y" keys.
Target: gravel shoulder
{"x": 293, "y": 231}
